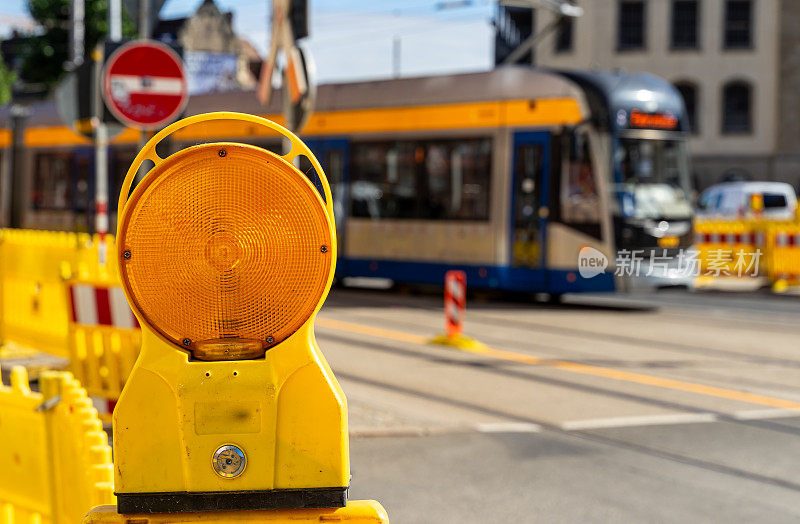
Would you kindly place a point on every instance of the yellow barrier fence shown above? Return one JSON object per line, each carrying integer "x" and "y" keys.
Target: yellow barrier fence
{"x": 731, "y": 247}
{"x": 55, "y": 456}
{"x": 783, "y": 255}
{"x": 104, "y": 337}
{"x": 33, "y": 268}
{"x": 750, "y": 247}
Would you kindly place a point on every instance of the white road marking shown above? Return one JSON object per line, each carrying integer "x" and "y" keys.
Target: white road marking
{"x": 756, "y": 414}
{"x": 508, "y": 427}
{"x": 643, "y": 420}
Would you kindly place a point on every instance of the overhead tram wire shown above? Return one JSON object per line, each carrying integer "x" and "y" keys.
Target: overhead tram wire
{"x": 431, "y": 7}
{"x": 426, "y": 9}
{"x": 177, "y": 8}
{"x": 424, "y": 16}
{"x": 401, "y": 10}
{"x": 355, "y": 38}
{"x": 349, "y": 35}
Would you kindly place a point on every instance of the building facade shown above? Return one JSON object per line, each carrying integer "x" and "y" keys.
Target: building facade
{"x": 216, "y": 59}
{"x": 737, "y": 63}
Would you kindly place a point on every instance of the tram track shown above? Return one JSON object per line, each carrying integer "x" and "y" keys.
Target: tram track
{"x": 707, "y": 368}
{"x": 696, "y": 456}
{"x": 680, "y": 347}
{"x": 576, "y": 355}
{"x": 508, "y": 369}
{"x": 477, "y": 316}
{"x": 618, "y": 443}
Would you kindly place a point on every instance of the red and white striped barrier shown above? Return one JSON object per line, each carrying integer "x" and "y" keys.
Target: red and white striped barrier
{"x": 455, "y": 301}
{"x": 753, "y": 238}
{"x": 101, "y": 306}
{"x": 786, "y": 239}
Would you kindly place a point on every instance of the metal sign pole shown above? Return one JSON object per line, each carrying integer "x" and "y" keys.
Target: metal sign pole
{"x": 115, "y": 20}
{"x": 144, "y": 34}
{"x": 77, "y": 30}
{"x": 101, "y": 136}
{"x": 100, "y": 164}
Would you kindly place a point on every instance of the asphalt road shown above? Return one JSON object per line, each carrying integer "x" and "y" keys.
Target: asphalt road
{"x": 663, "y": 408}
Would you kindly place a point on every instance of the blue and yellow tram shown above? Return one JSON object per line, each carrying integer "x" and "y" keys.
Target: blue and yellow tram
{"x": 505, "y": 174}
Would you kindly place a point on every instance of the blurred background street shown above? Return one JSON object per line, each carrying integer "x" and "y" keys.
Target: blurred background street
{"x": 566, "y": 283}
{"x": 606, "y": 424}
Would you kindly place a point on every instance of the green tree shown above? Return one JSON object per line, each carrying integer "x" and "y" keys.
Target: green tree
{"x": 7, "y": 79}
{"x": 44, "y": 54}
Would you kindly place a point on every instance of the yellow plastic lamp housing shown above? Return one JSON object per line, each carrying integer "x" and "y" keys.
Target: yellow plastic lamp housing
{"x": 226, "y": 253}
{"x": 757, "y": 202}
{"x": 226, "y": 250}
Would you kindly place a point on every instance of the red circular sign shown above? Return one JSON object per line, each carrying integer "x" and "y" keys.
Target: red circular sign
{"x": 144, "y": 84}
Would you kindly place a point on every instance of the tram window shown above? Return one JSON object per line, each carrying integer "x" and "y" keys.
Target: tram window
{"x": 383, "y": 183}
{"x": 307, "y": 168}
{"x": 51, "y": 187}
{"x": 334, "y": 169}
{"x": 471, "y": 165}
{"x": 580, "y": 199}
{"x": 121, "y": 161}
{"x": 274, "y": 147}
{"x": 437, "y": 179}
{"x": 653, "y": 183}
{"x": 82, "y": 197}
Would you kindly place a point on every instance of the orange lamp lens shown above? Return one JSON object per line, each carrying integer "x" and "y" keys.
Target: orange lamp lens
{"x": 225, "y": 246}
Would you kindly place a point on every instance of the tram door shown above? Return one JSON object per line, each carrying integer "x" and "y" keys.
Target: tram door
{"x": 529, "y": 211}
{"x": 333, "y": 156}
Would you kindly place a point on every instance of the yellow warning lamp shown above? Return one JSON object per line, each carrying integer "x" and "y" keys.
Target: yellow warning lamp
{"x": 226, "y": 254}
{"x": 757, "y": 203}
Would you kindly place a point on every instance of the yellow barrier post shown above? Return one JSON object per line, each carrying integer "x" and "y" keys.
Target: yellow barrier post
{"x": 55, "y": 455}
{"x": 226, "y": 253}
{"x": 783, "y": 255}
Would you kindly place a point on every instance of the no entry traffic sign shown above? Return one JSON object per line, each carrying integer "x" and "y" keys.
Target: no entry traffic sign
{"x": 144, "y": 84}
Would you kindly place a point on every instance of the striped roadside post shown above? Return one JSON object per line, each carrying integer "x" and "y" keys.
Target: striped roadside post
{"x": 455, "y": 302}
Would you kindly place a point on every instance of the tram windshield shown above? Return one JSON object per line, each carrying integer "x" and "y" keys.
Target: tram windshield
{"x": 654, "y": 178}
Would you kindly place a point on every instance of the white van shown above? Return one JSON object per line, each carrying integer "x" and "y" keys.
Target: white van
{"x": 733, "y": 199}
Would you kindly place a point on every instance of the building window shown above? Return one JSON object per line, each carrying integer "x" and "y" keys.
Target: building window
{"x": 738, "y": 24}
{"x": 631, "y": 25}
{"x": 424, "y": 180}
{"x": 737, "y": 108}
{"x": 513, "y": 26}
{"x": 564, "y": 34}
{"x": 684, "y": 24}
{"x": 689, "y": 93}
